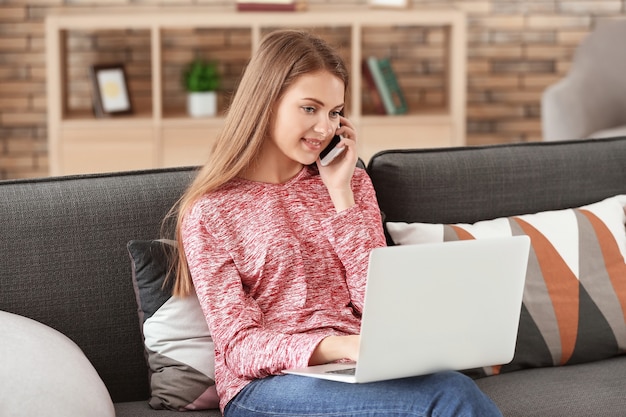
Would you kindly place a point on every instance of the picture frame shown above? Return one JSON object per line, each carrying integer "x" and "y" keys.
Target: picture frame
{"x": 110, "y": 90}
{"x": 396, "y": 4}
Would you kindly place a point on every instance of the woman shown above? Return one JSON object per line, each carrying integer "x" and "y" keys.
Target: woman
{"x": 276, "y": 247}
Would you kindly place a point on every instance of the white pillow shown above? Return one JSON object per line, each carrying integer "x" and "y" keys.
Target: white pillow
{"x": 44, "y": 373}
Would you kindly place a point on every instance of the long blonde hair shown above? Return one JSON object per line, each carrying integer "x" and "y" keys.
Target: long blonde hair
{"x": 282, "y": 57}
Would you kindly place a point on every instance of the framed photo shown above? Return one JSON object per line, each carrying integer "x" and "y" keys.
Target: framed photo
{"x": 389, "y": 3}
{"x": 111, "y": 95}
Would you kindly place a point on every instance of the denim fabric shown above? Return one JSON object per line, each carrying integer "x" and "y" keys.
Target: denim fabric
{"x": 439, "y": 395}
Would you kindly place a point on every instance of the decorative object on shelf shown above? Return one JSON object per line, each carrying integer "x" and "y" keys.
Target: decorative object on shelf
{"x": 399, "y": 102}
{"x": 370, "y": 83}
{"x": 389, "y": 3}
{"x": 201, "y": 79}
{"x": 271, "y": 5}
{"x": 110, "y": 95}
{"x": 387, "y": 85}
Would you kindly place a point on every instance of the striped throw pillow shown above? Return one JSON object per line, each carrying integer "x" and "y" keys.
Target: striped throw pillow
{"x": 574, "y": 305}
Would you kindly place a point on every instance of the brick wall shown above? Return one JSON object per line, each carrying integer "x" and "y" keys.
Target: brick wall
{"x": 515, "y": 49}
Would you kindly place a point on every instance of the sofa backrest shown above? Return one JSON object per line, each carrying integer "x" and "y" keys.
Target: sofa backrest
{"x": 64, "y": 261}
{"x": 468, "y": 184}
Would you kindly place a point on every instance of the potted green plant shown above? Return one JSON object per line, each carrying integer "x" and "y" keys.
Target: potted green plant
{"x": 201, "y": 79}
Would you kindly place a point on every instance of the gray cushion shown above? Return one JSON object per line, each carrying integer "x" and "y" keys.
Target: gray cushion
{"x": 142, "y": 409}
{"x": 591, "y": 389}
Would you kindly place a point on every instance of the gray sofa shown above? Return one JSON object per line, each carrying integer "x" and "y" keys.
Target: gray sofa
{"x": 64, "y": 261}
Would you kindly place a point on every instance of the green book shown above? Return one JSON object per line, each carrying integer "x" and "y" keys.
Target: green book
{"x": 368, "y": 79}
{"x": 381, "y": 85}
{"x": 391, "y": 82}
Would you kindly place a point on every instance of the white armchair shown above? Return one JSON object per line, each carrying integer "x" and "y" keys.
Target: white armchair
{"x": 590, "y": 102}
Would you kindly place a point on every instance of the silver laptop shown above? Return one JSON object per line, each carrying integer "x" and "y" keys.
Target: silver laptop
{"x": 435, "y": 307}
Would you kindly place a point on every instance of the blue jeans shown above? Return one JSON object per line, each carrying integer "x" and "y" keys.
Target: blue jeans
{"x": 439, "y": 395}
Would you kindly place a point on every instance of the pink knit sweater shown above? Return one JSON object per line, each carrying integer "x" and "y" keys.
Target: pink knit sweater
{"x": 276, "y": 270}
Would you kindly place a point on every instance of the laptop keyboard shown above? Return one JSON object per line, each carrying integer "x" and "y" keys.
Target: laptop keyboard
{"x": 347, "y": 371}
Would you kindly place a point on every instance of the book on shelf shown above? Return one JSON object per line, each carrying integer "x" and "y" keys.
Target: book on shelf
{"x": 270, "y": 5}
{"x": 387, "y": 85}
{"x": 391, "y": 81}
{"x": 379, "y": 81}
{"x": 370, "y": 83}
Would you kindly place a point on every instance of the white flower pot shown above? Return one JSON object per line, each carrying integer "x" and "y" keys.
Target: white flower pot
{"x": 202, "y": 104}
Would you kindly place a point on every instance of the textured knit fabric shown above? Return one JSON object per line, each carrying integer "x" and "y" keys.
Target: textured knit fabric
{"x": 276, "y": 270}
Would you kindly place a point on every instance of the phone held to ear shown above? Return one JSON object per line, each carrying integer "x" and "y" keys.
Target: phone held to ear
{"x": 331, "y": 151}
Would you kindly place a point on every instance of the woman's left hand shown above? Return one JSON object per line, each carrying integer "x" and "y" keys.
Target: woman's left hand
{"x": 338, "y": 174}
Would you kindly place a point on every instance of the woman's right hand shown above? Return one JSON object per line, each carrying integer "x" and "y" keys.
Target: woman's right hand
{"x": 338, "y": 174}
{"x": 334, "y": 348}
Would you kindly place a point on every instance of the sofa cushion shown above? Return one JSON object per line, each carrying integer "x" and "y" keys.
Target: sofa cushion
{"x": 590, "y": 389}
{"x": 142, "y": 409}
{"x": 178, "y": 344}
{"x": 574, "y": 307}
{"x": 45, "y": 373}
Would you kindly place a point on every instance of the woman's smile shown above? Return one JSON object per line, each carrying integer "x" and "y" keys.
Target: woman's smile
{"x": 313, "y": 144}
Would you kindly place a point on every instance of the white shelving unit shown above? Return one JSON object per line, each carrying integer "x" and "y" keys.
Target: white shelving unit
{"x": 80, "y": 143}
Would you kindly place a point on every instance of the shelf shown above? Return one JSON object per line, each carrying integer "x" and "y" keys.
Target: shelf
{"x": 428, "y": 47}
{"x": 407, "y": 119}
{"x": 184, "y": 121}
{"x": 81, "y": 119}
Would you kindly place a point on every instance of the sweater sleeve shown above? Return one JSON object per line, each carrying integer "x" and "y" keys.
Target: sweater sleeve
{"x": 354, "y": 233}
{"x": 235, "y": 319}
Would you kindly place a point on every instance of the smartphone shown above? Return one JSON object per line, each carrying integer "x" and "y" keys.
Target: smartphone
{"x": 331, "y": 151}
